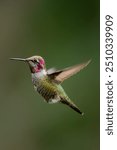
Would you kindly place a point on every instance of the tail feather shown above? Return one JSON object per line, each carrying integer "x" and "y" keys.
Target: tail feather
{"x": 72, "y": 105}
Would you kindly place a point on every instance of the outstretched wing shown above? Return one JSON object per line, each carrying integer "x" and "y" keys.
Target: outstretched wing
{"x": 61, "y": 75}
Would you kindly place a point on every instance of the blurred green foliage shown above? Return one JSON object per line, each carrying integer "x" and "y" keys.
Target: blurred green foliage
{"x": 64, "y": 33}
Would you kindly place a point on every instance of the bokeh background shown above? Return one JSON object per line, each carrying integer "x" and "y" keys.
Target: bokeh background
{"x": 65, "y": 33}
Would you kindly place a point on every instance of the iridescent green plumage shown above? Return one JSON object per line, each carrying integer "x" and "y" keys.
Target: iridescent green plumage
{"x": 53, "y": 92}
{"x": 48, "y": 89}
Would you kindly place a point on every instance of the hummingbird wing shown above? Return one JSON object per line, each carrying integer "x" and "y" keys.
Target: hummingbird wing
{"x": 61, "y": 75}
{"x": 51, "y": 70}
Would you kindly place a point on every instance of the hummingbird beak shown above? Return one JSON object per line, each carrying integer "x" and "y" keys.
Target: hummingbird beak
{"x": 18, "y": 59}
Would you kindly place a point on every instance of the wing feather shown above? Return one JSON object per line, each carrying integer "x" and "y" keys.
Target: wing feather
{"x": 51, "y": 70}
{"x": 61, "y": 75}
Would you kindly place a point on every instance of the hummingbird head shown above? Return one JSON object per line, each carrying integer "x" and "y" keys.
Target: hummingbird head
{"x": 36, "y": 63}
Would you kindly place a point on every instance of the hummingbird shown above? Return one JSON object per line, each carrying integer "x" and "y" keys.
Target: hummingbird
{"x": 48, "y": 82}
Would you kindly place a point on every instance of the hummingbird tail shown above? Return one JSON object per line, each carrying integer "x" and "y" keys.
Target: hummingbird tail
{"x": 72, "y": 105}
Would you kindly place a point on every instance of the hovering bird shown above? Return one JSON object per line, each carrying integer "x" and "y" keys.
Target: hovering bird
{"x": 48, "y": 82}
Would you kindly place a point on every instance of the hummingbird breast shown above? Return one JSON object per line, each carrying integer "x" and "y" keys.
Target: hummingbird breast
{"x": 47, "y": 89}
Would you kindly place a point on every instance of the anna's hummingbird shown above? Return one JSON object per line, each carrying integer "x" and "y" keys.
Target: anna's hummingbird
{"x": 48, "y": 82}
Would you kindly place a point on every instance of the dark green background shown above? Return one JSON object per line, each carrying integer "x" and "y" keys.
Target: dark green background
{"x": 64, "y": 33}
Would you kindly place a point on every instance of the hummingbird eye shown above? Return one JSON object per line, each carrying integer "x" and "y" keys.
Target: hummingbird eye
{"x": 35, "y": 61}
